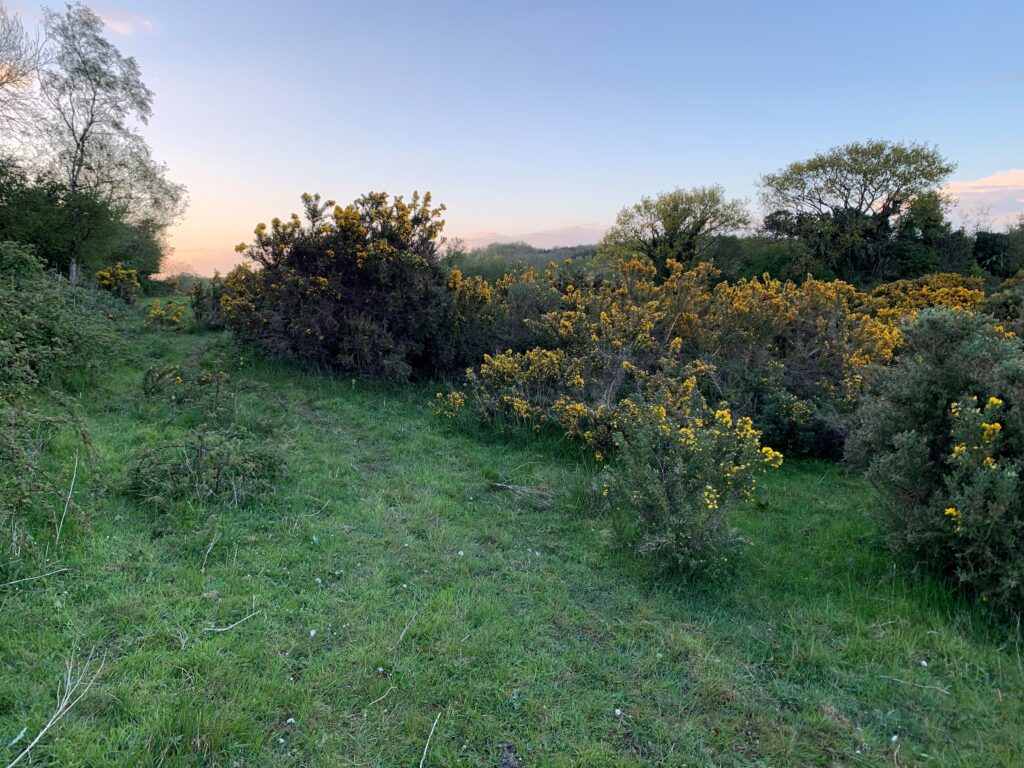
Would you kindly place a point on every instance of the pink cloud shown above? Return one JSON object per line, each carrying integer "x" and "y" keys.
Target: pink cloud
{"x": 998, "y": 198}
{"x": 127, "y": 23}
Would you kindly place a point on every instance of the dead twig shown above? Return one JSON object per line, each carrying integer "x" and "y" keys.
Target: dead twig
{"x": 916, "y": 685}
{"x": 380, "y": 698}
{"x": 427, "y": 745}
{"x": 33, "y": 578}
{"x": 398, "y": 642}
{"x": 231, "y": 626}
{"x": 69, "y": 692}
{"x": 216, "y": 536}
{"x": 67, "y": 503}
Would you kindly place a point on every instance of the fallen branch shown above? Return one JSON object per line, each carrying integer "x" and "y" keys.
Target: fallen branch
{"x": 33, "y": 578}
{"x": 216, "y": 536}
{"x": 69, "y": 692}
{"x": 427, "y": 745}
{"x": 916, "y": 685}
{"x": 67, "y": 503}
{"x": 231, "y": 626}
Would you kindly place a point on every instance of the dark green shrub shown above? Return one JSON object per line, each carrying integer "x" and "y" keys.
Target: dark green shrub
{"x": 679, "y": 474}
{"x": 941, "y": 436}
{"x": 204, "y": 299}
{"x": 52, "y": 336}
{"x": 211, "y": 466}
{"x": 359, "y": 289}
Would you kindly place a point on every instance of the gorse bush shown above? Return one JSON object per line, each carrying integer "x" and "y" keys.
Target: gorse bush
{"x": 166, "y": 316}
{"x": 941, "y": 435}
{"x": 123, "y": 283}
{"x": 204, "y": 299}
{"x": 358, "y": 288}
{"x": 680, "y": 475}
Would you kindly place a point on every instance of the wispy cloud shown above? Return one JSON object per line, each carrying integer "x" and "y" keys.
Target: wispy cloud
{"x": 999, "y": 197}
{"x": 128, "y": 23}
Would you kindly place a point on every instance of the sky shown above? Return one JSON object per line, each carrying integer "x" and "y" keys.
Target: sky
{"x": 540, "y": 120}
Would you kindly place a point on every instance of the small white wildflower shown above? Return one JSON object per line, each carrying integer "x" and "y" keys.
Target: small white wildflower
{"x": 319, "y": 580}
{"x": 280, "y": 740}
{"x": 618, "y": 712}
{"x": 312, "y": 633}
{"x": 924, "y": 663}
{"x": 461, "y": 553}
{"x": 895, "y": 738}
{"x": 290, "y": 721}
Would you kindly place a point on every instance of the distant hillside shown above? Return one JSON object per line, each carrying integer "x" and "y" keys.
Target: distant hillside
{"x": 496, "y": 259}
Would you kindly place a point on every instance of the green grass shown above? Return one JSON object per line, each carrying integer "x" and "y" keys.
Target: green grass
{"x": 434, "y": 591}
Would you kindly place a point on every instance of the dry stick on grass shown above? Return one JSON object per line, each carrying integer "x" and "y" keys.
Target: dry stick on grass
{"x": 380, "y": 698}
{"x": 427, "y": 745}
{"x": 916, "y": 685}
{"x": 67, "y": 503}
{"x": 231, "y": 626}
{"x": 202, "y": 568}
{"x": 540, "y": 498}
{"x": 33, "y": 578}
{"x": 398, "y": 642}
{"x": 69, "y": 692}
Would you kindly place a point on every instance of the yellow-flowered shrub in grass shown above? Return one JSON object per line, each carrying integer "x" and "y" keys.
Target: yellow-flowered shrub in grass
{"x": 166, "y": 316}
{"x": 120, "y": 281}
{"x": 942, "y": 438}
{"x": 794, "y": 357}
{"x": 680, "y": 468}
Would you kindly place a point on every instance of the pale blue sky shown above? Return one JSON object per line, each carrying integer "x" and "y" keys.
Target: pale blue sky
{"x": 525, "y": 117}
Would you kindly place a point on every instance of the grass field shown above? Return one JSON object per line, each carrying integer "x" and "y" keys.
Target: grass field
{"x": 393, "y": 584}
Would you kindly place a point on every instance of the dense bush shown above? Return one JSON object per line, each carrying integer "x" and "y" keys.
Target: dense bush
{"x": 166, "y": 316}
{"x": 122, "y": 282}
{"x": 942, "y": 437}
{"x": 358, "y": 288}
{"x": 680, "y": 476}
{"x": 215, "y": 461}
{"x": 204, "y": 466}
{"x": 204, "y": 298}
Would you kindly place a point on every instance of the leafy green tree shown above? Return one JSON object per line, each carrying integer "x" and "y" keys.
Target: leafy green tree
{"x": 678, "y": 225}
{"x": 849, "y": 204}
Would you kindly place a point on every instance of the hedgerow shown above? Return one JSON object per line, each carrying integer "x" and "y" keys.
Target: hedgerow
{"x": 52, "y": 336}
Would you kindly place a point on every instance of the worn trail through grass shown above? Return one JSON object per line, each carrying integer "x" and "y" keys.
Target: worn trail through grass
{"x": 396, "y": 578}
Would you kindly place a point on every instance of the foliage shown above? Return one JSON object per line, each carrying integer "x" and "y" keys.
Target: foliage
{"x": 51, "y": 336}
{"x": 166, "y": 316}
{"x": 866, "y": 211}
{"x": 358, "y": 289}
{"x": 681, "y": 476}
{"x": 80, "y": 104}
{"x": 204, "y": 298}
{"x": 942, "y": 438}
{"x": 793, "y": 356}
{"x": 123, "y": 283}
{"x": 205, "y": 466}
{"x": 674, "y": 226}
{"x": 494, "y": 261}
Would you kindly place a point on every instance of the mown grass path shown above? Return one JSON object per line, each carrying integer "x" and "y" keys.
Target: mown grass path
{"x": 391, "y": 579}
